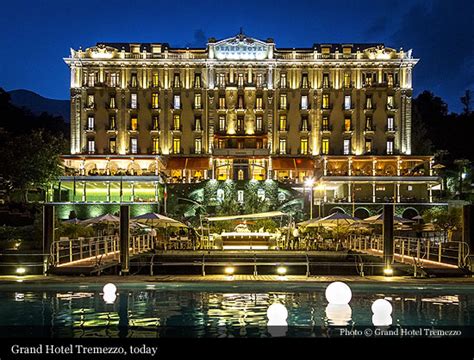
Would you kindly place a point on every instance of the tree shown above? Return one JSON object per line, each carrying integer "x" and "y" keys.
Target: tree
{"x": 443, "y": 219}
{"x": 466, "y": 101}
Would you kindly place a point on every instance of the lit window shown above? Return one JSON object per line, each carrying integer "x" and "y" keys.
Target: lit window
{"x": 90, "y": 123}
{"x": 347, "y": 102}
{"x": 304, "y": 124}
{"x": 177, "y": 102}
{"x": 389, "y": 79}
{"x": 133, "y": 101}
{"x": 112, "y": 145}
{"x": 389, "y": 147}
{"x": 240, "y": 80}
{"x": 304, "y": 81}
{"x": 176, "y": 145}
{"x": 240, "y": 102}
{"x": 283, "y": 80}
{"x": 197, "y": 101}
{"x": 304, "y": 146}
{"x": 112, "y": 123}
{"x": 325, "y": 101}
{"x": 390, "y": 124}
{"x": 368, "y": 146}
{"x": 283, "y": 103}
{"x": 222, "y": 123}
{"x": 134, "y": 123}
{"x": 113, "y": 79}
{"x": 282, "y": 146}
{"x": 90, "y": 101}
{"x": 325, "y": 80}
{"x": 304, "y": 102}
{"x": 240, "y": 123}
{"x": 390, "y": 103}
{"x": 134, "y": 145}
{"x": 259, "y": 123}
{"x": 197, "y": 124}
{"x": 112, "y": 104}
{"x": 368, "y": 123}
{"x": 240, "y": 195}
{"x": 368, "y": 102}
{"x": 134, "y": 80}
{"x": 176, "y": 122}
{"x": 91, "y": 146}
{"x": 259, "y": 80}
{"x": 91, "y": 79}
{"x": 197, "y": 145}
{"x": 156, "y": 145}
{"x": 325, "y": 146}
{"x": 155, "y": 80}
{"x": 155, "y": 123}
{"x": 222, "y": 102}
{"x": 283, "y": 123}
{"x": 347, "y": 79}
{"x": 347, "y": 124}
{"x": 259, "y": 103}
{"x": 176, "y": 81}
{"x": 197, "y": 80}
{"x": 347, "y": 146}
{"x": 154, "y": 100}
{"x": 221, "y": 79}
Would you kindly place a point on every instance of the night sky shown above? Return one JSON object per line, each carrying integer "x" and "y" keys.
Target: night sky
{"x": 36, "y": 35}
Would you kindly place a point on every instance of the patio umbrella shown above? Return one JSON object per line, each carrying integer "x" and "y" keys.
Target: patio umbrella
{"x": 307, "y": 222}
{"x": 335, "y": 219}
{"x": 72, "y": 221}
{"x": 158, "y": 220}
{"x": 103, "y": 219}
{"x": 378, "y": 219}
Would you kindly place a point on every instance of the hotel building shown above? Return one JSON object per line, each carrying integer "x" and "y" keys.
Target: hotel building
{"x": 243, "y": 109}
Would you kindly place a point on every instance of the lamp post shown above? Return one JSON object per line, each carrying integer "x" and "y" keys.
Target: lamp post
{"x": 309, "y": 183}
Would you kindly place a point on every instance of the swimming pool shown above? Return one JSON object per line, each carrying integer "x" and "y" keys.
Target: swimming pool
{"x": 221, "y": 309}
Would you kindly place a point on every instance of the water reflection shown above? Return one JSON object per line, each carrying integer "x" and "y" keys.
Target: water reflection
{"x": 154, "y": 311}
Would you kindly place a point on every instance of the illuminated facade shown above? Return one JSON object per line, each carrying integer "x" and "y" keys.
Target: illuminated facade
{"x": 243, "y": 109}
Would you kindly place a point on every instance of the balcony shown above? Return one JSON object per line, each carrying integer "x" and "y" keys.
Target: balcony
{"x": 370, "y": 130}
{"x": 390, "y": 130}
{"x": 176, "y": 128}
{"x": 326, "y": 128}
{"x": 90, "y": 130}
{"x": 240, "y": 152}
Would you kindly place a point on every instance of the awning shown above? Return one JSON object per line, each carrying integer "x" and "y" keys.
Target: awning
{"x": 264, "y": 215}
{"x": 291, "y": 163}
{"x": 188, "y": 163}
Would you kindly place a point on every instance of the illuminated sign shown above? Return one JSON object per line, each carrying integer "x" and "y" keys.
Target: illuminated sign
{"x": 241, "y": 49}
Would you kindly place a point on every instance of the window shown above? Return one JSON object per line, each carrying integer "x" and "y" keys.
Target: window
{"x": 368, "y": 146}
{"x": 222, "y": 123}
{"x": 325, "y": 101}
{"x": 134, "y": 123}
{"x": 155, "y": 145}
{"x": 113, "y": 145}
{"x": 176, "y": 145}
{"x": 389, "y": 147}
{"x": 304, "y": 81}
{"x": 389, "y": 81}
{"x": 240, "y": 196}
{"x": 283, "y": 123}
{"x": 177, "y": 102}
{"x": 304, "y": 146}
{"x": 347, "y": 79}
{"x": 390, "y": 102}
{"x": 259, "y": 103}
{"x": 155, "y": 124}
{"x": 259, "y": 123}
{"x": 304, "y": 102}
{"x": 91, "y": 79}
{"x": 221, "y": 144}
{"x": 133, "y": 101}
{"x": 155, "y": 80}
{"x": 368, "y": 102}
{"x": 197, "y": 145}
{"x": 134, "y": 80}
{"x": 240, "y": 80}
{"x": 222, "y": 102}
{"x": 347, "y": 102}
{"x": 91, "y": 146}
{"x": 197, "y": 80}
{"x": 154, "y": 101}
{"x": 134, "y": 145}
{"x": 325, "y": 146}
{"x": 347, "y": 146}
{"x": 347, "y": 124}
{"x": 176, "y": 122}
{"x": 113, "y": 79}
{"x": 390, "y": 126}
{"x": 259, "y": 80}
{"x": 325, "y": 80}
{"x": 283, "y": 81}
{"x": 112, "y": 123}
{"x": 221, "y": 79}
{"x": 90, "y": 101}
{"x": 240, "y": 123}
{"x": 90, "y": 122}
{"x": 283, "y": 103}
{"x": 282, "y": 146}
{"x": 197, "y": 101}
{"x": 112, "y": 104}
{"x": 240, "y": 102}
{"x": 325, "y": 124}
{"x": 304, "y": 123}
{"x": 368, "y": 123}
{"x": 176, "y": 81}
{"x": 197, "y": 124}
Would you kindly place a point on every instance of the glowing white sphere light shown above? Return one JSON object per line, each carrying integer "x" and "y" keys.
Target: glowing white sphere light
{"x": 381, "y": 320}
{"x": 381, "y": 307}
{"x": 338, "y": 293}
{"x": 109, "y": 297}
{"x": 277, "y": 313}
{"x": 109, "y": 288}
{"x": 338, "y": 315}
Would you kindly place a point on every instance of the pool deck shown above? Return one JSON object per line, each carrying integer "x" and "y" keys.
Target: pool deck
{"x": 294, "y": 279}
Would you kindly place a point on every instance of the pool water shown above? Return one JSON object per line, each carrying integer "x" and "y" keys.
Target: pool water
{"x": 219, "y": 310}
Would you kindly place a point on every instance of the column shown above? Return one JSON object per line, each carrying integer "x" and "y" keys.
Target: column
{"x": 270, "y": 77}
{"x": 125, "y": 239}
{"x": 387, "y": 232}
{"x": 374, "y": 197}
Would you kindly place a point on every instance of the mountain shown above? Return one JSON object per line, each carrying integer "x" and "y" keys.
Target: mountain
{"x": 38, "y": 104}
